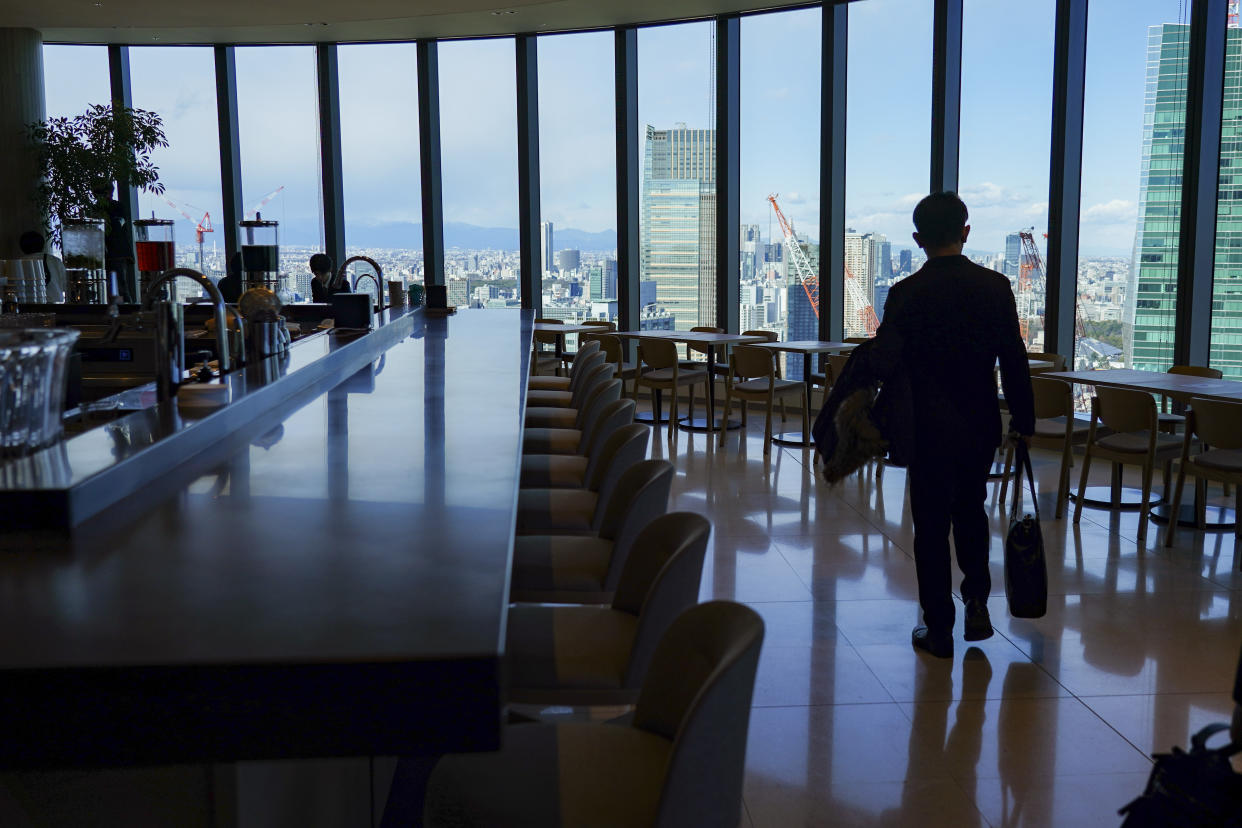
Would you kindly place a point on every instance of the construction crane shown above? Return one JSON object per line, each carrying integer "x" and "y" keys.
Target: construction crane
{"x": 809, "y": 277}
{"x": 250, "y": 214}
{"x": 1031, "y": 287}
{"x": 201, "y": 226}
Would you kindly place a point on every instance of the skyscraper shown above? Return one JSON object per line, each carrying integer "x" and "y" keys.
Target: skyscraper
{"x": 678, "y": 238}
{"x": 545, "y": 246}
{"x": 1151, "y": 294}
{"x": 568, "y": 259}
{"x": 1013, "y": 255}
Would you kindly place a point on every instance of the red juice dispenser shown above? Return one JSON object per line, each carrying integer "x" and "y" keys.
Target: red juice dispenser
{"x": 260, "y": 252}
{"x": 157, "y": 252}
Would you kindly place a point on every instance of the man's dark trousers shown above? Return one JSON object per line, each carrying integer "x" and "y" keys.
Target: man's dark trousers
{"x": 948, "y": 488}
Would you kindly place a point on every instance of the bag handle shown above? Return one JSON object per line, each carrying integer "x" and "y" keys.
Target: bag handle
{"x": 1022, "y": 467}
{"x": 1198, "y": 742}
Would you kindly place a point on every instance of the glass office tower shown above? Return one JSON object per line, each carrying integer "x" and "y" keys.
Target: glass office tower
{"x": 678, "y": 239}
{"x": 1152, "y": 295}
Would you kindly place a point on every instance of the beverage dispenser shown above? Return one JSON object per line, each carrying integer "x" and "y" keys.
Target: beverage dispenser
{"x": 260, "y": 251}
{"x": 82, "y": 242}
{"x": 156, "y": 249}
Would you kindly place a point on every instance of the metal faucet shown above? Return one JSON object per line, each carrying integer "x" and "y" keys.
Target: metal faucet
{"x": 170, "y": 332}
{"x": 376, "y": 277}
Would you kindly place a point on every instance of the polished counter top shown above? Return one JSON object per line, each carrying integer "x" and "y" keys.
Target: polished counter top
{"x": 331, "y": 579}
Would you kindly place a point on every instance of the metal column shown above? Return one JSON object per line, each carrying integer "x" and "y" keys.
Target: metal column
{"x": 230, "y": 154}
{"x": 331, "y": 182}
{"x": 529, "y": 213}
{"x": 122, "y": 96}
{"x": 626, "y": 60}
{"x": 832, "y": 92}
{"x": 429, "y": 160}
{"x": 728, "y": 171}
{"x": 946, "y": 115}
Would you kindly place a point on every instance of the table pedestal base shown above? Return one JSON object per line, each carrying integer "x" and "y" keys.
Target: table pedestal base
{"x": 1217, "y": 518}
{"x": 793, "y": 438}
{"x": 700, "y": 424}
{"x": 1101, "y": 497}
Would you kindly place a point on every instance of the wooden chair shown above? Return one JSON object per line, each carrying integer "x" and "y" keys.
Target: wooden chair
{"x": 614, "y": 353}
{"x": 1058, "y": 361}
{"x": 1170, "y": 421}
{"x": 758, "y": 382}
{"x": 664, "y": 372}
{"x": 590, "y": 655}
{"x": 1136, "y": 440}
{"x": 585, "y": 336}
{"x": 679, "y": 761}
{"x": 1055, "y": 429}
{"x": 1217, "y": 424}
{"x": 543, "y": 358}
{"x": 857, "y": 340}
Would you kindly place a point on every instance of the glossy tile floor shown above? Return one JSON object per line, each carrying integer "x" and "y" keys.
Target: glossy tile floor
{"x": 1048, "y": 723}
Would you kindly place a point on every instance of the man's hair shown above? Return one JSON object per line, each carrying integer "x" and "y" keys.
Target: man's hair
{"x": 320, "y": 263}
{"x": 31, "y": 242}
{"x": 939, "y": 219}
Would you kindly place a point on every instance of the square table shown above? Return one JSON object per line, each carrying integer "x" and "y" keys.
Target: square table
{"x": 806, "y": 347}
{"x": 710, "y": 341}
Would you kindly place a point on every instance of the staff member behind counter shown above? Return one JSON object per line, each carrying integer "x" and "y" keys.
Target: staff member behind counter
{"x": 325, "y": 283}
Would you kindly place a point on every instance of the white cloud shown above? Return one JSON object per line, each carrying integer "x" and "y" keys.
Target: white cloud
{"x": 1116, "y": 210}
{"x": 1038, "y": 209}
{"x": 794, "y": 197}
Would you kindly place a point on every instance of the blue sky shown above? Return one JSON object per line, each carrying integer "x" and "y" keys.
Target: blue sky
{"x": 1006, "y": 101}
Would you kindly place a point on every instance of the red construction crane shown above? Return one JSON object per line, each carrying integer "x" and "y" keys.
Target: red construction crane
{"x": 1031, "y": 287}
{"x": 201, "y": 226}
{"x": 809, "y": 276}
{"x": 263, "y": 203}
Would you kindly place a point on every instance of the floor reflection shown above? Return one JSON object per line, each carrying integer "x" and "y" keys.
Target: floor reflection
{"x": 1049, "y": 723}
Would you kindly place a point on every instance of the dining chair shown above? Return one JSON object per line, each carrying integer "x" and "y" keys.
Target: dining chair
{"x": 678, "y": 761}
{"x": 614, "y": 353}
{"x": 1056, "y": 429}
{"x": 600, "y": 325}
{"x": 1136, "y": 440}
{"x": 543, "y": 358}
{"x": 1169, "y": 421}
{"x": 557, "y": 383}
{"x": 695, "y": 348}
{"x": 662, "y": 373}
{"x": 759, "y": 383}
{"x": 593, "y": 655}
{"x": 571, "y": 471}
{"x": 1218, "y": 425}
{"x": 585, "y": 569}
{"x": 857, "y": 340}
{"x": 544, "y": 511}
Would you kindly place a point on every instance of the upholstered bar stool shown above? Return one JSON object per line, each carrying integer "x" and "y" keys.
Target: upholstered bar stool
{"x": 581, "y": 511}
{"x": 1217, "y": 424}
{"x": 571, "y": 471}
{"x": 590, "y": 655}
{"x": 585, "y": 569}
{"x": 679, "y": 762}
{"x": 571, "y": 440}
{"x": 1136, "y": 440}
{"x": 552, "y": 383}
{"x": 575, "y": 417}
{"x": 594, "y": 369}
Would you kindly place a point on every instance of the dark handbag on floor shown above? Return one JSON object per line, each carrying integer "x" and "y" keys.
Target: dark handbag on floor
{"x": 1026, "y": 572}
{"x": 1198, "y": 789}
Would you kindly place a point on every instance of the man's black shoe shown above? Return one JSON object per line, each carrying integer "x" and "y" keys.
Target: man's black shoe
{"x": 938, "y": 644}
{"x": 978, "y": 622}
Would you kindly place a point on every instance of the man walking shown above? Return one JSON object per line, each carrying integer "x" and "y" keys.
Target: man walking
{"x": 955, "y": 320}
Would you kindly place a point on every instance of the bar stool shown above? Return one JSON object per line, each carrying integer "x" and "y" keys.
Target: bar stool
{"x": 1217, "y": 424}
{"x": 585, "y": 569}
{"x": 545, "y": 383}
{"x": 593, "y": 372}
{"x": 1136, "y": 441}
{"x": 571, "y": 471}
{"x": 680, "y": 760}
{"x": 574, "y": 436}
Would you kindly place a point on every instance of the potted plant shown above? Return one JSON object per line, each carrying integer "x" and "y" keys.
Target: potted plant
{"x": 81, "y": 157}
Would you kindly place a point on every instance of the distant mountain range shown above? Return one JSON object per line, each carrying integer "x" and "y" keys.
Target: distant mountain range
{"x": 407, "y": 235}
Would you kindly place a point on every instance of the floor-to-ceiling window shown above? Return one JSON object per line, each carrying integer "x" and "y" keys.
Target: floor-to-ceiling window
{"x": 780, "y": 111}
{"x": 677, "y": 223}
{"x": 1131, "y": 182}
{"x": 179, "y": 84}
{"x": 577, "y": 171}
{"x": 1226, "y": 342}
{"x": 74, "y": 77}
{"x": 888, "y": 150}
{"x": 1005, "y": 137}
{"x": 278, "y": 123}
{"x": 380, "y": 157}
{"x": 478, "y": 146}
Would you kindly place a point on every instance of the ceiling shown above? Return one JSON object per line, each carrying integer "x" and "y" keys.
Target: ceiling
{"x": 307, "y": 21}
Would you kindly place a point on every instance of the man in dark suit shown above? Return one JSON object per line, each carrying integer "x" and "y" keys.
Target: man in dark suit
{"x": 955, "y": 320}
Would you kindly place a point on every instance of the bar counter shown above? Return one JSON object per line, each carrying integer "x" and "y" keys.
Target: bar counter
{"x": 330, "y": 579}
